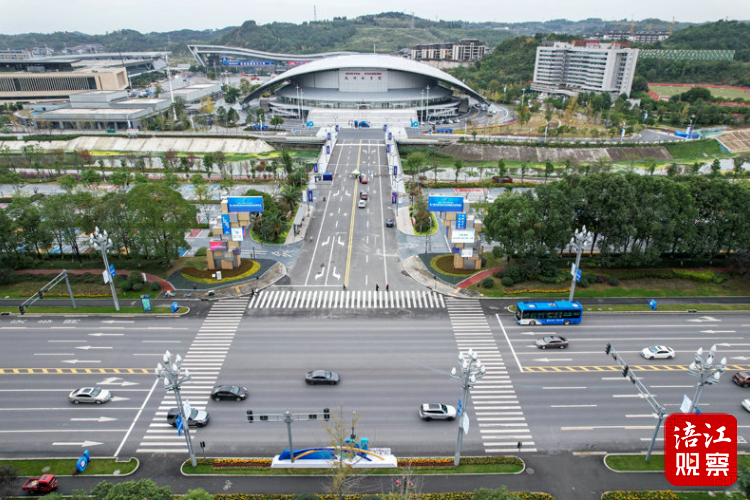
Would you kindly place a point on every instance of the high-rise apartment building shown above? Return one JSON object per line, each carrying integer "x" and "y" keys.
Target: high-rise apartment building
{"x": 564, "y": 68}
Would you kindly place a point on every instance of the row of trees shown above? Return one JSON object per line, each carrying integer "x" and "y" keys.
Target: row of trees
{"x": 148, "y": 222}
{"x": 637, "y": 217}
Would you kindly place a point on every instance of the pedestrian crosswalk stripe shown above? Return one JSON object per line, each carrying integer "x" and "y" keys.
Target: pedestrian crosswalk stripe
{"x": 350, "y": 299}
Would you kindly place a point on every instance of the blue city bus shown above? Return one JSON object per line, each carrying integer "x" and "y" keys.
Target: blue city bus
{"x": 555, "y": 312}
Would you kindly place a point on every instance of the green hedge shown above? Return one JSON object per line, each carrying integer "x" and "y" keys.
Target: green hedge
{"x": 464, "y": 495}
{"x": 640, "y": 495}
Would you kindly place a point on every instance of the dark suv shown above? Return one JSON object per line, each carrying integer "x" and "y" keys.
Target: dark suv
{"x": 363, "y": 196}
{"x": 197, "y": 418}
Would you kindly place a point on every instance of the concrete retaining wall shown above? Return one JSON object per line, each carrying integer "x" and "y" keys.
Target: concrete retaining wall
{"x": 147, "y": 145}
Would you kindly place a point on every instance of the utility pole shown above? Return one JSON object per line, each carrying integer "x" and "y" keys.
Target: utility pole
{"x": 579, "y": 240}
{"x": 706, "y": 371}
{"x": 101, "y": 241}
{"x": 472, "y": 370}
{"x": 170, "y": 374}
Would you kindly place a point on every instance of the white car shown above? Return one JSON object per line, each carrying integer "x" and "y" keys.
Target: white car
{"x": 362, "y": 204}
{"x": 746, "y": 404}
{"x": 437, "y": 411}
{"x": 658, "y": 352}
{"x": 90, "y": 395}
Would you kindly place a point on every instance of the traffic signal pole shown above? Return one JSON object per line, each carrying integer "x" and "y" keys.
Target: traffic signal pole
{"x": 650, "y": 399}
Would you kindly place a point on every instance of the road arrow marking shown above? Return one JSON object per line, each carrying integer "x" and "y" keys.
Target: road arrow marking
{"x": 704, "y": 318}
{"x": 547, "y": 360}
{"x": 320, "y": 274}
{"x": 87, "y": 347}
{"x": 335, "y": 275}
{"x": 119, "y": 398}
{"x": 99, "y": 419}
{"x": 340, "y": 241}
{"x": 75, "y": 361}
{"x": 53, "y": 354}
{"x": 537, "y": 333}
{"x": 110, "y": 321}
{"x": 741, "y": 358}
{"x": 327, "y": 241}
{"x": 718, "y": 331}
{"x": 116, "y": 381}
{"x": 106, "y": 334}
{"x": 82, "y": 444}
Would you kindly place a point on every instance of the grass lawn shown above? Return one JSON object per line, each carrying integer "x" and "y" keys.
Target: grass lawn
{"x": 92, "y": 310}
{"x": 637, "y": 463}
{"x": 667, "y": 91}
{"x": 66, "y": 466}
{"x": 268, "y": 471}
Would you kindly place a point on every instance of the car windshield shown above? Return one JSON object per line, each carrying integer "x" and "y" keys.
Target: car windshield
{"x": 326, "y": 374}
{"x": 548, "y": 339}
{"x": 96, "y": 392}
{"x": 653, "y": 349}
{"x": 234, "y": 389}
{"x": 193, "y": 413}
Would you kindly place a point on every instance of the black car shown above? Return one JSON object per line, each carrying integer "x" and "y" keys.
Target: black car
{"x": 316, "y": 377}
{"x": 390, "y": 222}
{"x": 231, "y": 392}
{"x": 363, "y": 196}
{"x": 197, "y": 418}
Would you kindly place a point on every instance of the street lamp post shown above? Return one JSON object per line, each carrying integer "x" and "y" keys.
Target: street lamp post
{"x": 173, "y": 380}
{"x": 472, "y": 370}
{"x": 578, "y": 241}
{"x": 523, "y": 95}
{"x": 707, "y": 372}
{"x": 101, "y": 241}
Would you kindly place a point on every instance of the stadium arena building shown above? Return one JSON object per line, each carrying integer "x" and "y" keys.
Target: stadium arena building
{"x": 379, "y": 89}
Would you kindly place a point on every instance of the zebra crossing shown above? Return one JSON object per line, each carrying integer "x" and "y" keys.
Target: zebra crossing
{"x": 204, "y": 359}
{"x": 502, "y": 424}
{"x": 341, "y": 299}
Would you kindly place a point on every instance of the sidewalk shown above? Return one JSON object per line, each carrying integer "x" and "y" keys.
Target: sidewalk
{"x": 416, "y": 270}
{"x": 472, "y": 280}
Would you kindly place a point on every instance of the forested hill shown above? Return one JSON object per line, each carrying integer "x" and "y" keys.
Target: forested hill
{"x": 386, "y": 32}
{"x": 721, "y": 35}
{"x": 125, "y": 40}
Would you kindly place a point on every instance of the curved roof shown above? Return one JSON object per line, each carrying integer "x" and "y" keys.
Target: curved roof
{"x": 197, "y": 49}
{"x": 365, "y": 61}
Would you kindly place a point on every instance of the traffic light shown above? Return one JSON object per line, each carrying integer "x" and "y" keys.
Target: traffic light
{"x": 249, "y": 416}
{"x": 326, "y": 414}
{"x": 608, "y": 349}
{"x": 625, "y": 371}
{"x": 22, "y": 309}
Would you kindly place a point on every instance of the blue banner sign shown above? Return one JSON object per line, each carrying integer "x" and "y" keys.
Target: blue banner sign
{"x": 224, "y": 62}
{"x": 146, "y": 303}
{"x": 309, "y": 195}
{"x": 226, "y": 227}
{"x": 245, "y": 203}
{"x": 461, "y": 221}
{"x": 395, "y": 170}
{"x": 445, "y": 204}
{"x": 112, "y": 270}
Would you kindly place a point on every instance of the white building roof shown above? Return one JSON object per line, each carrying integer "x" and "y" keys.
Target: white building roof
{"x": 367, "y": 61}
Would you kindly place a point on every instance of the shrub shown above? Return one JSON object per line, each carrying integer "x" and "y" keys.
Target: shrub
{"x": 305, "y": 496}
{"x": 498, "y": 275}
{"x": 137, "y": 287}
{"x": 513, "y": 271}
{"x": 201, "y": 252}
{"x": 613, "y": 280}
{"x": 720, "y": 278}
{"x": 488, "y": 282}
{"x": 507, "y": 281}
{"x": 126, "y": 286}
{"x": 154, "y": 286}
{"x": 135, "y": 277}
{"x": 699, "y": 276}
{"x": 497, "y": 252}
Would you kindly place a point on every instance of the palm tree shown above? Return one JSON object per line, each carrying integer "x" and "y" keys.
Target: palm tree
{"x": 289, "y": 196}
{"x": 458, "y": 165}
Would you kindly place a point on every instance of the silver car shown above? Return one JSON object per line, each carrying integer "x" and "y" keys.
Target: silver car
{"x": 437, "y": 411}
{"x": 90, "y": 395}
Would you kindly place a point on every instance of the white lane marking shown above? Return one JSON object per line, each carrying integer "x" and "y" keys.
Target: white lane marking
{"x": 513, "y": 351}
{"x": 140, "y": 410}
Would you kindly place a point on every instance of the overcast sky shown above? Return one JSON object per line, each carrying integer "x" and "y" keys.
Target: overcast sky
{"x": 100, "y": 16}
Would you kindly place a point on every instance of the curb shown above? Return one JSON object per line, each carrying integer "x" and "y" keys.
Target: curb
{"x": 604, "y": 461}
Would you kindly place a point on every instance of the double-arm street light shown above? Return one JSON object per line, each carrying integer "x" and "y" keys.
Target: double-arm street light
{"x": 580, "y": 239}
{"x": 173, "y": 380}
{"x": 472, "y": 370}
{"x": 101, "y": 241}
{"x": 707, "y": 372}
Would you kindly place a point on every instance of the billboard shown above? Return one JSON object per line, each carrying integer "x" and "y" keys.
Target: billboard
{"x": 245, "y": 203}
{"x": 226, "y": 226}
{"x": 238, "y": 233}
{"x": 462, "y": 236}
{"x": 217, "y": 246}
{"x": 446, "y": 204}
{"x": 461, "y": 221}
